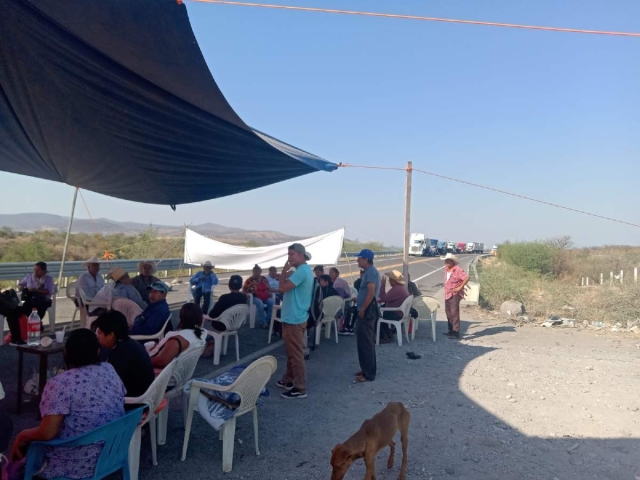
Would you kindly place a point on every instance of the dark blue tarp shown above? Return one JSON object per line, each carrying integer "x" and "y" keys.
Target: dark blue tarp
{"x": 114, "y": 96}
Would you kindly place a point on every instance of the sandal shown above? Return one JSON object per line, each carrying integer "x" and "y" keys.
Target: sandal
{"x": 361, "y": 379}
{"x": 358, "y": 373}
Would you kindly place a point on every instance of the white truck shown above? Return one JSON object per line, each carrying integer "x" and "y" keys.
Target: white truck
{"x": 451, "y": 247}
{"x": 419, "y": 244}
{"x": 473, "y": 247}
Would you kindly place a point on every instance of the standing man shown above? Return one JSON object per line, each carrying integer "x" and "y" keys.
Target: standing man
{"x": 455, "y": 280}
{"x": 298, "y": 291}
{"x": 90, "y": 281}
{"x": 368, "y": 315}
{"x": 204, "y": 282}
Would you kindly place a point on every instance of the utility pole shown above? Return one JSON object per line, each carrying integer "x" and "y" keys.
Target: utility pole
{"x": 407, "y": 222}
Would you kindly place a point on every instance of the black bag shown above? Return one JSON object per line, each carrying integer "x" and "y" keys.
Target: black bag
{"x": 9, "y": 299}
{"x": 372, "y": 312}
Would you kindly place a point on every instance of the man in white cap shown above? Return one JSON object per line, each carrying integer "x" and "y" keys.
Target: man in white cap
{"x": 455, "y": 279}
{"x": 90, "y": 282}
{"x": 144, "y": 278}
{"x": 204, "y": 282}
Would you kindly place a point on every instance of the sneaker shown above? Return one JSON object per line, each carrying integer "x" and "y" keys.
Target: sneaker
{"x": 17, "y": 343}
{"x": 286, "y": 386}
{"x": 294, "y": 393}
{"x": 346, "y": 332}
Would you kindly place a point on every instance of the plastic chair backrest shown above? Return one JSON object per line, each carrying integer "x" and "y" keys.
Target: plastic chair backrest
{"x": 406, "y": 307}
{"x": 185, "y": 366}
{"x": 234, "y": 317}
{"x": 331, "y": 306}
{"x": 421, "y": 307}
{"x": 354, "y": 292}
{"x": 71, "y": 290}
{"x": 251, "y": 382}
{"x": 114, "y": 456}
{"x": 128, "y": 308}
{"x": 155, "y": 393}
{"x": 431, "y": 302}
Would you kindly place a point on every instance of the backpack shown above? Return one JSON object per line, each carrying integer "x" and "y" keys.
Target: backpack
{"x": 317, "y": 305}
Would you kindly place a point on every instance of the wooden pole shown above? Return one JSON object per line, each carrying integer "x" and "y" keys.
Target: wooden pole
{"x": 407, "y": 221}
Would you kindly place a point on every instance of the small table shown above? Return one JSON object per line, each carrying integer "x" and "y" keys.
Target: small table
{"x": 44, "y": 353}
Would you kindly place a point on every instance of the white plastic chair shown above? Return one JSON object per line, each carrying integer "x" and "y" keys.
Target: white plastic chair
{"x": 248, "y": 387}
{"x": 71, "y": 295}
{"x": 185, "y": 366}
{"x": 128, "y": 308}
{"x": 84, "y": 304}
{"x": 427, "y": 308}
{"x": 153, "y": 398}
{"x": 233, "y": 318}
{"x": 405, "y": 309}
{"x": 274, "y": 318}
{"x": 330, "y": 308}
{"x": 156, "y": 336}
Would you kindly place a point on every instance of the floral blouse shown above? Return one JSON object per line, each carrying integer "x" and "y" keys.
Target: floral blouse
{"x": 88, "y": 397}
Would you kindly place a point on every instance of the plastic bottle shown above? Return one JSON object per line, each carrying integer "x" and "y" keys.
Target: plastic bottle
{"x": 33, "y": 328}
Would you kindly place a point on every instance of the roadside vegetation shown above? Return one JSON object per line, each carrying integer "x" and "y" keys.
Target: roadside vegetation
{"x": 545, "y": 276}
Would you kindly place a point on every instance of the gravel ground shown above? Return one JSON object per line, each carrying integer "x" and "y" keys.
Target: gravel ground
{"x": 504, "y": 403}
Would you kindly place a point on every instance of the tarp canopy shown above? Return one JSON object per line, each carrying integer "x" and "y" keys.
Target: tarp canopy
{"x": 324, "y": 249}
{"x": 115, "y": 97}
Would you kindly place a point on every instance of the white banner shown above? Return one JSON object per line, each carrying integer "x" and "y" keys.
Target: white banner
{"x": 324, "y": 249}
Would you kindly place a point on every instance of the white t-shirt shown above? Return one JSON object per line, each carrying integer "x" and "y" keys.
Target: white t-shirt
{"x": 449, "y": 275}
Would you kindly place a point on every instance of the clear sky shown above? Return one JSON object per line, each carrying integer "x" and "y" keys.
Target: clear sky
{"x": 549, "y": 115}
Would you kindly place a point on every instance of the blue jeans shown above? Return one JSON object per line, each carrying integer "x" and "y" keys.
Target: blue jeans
{"x": 263, "y": 317}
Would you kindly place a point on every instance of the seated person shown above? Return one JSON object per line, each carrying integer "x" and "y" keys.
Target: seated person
{"x": 340, "y": 284}
{"x": 120, "y": 288}
{"x": 204, "y": 282}
{"x": 37, "y": 288}
{"x": 88, "y": 395}
{"x": 189, "y": 336}
{"x": 274, "y": 283}
{"x": 127, "y": 356}
{"x": 318, "y": 271}
{"x": 90, "y": 282}
{"x": 327, "y": 287}
{"x": 151, "y": 320}
{"x": 144, "y": 278}
{"x": 259, "y": 287}
{"x": 352, "y": 312}
{"x": 394, "y": 298}
{"x": 226, "y": 301}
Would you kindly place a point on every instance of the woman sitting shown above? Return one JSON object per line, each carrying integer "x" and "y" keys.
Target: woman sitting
{"x": 128, "y": 356}
{"x": 189, "y": 336}
{"x": 88, "y": 395}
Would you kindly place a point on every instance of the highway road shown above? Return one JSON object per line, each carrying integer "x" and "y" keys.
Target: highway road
{"x": 425, "y": 271}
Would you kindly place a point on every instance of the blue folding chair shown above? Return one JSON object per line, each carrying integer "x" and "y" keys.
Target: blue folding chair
{"x": 116, "y": 436}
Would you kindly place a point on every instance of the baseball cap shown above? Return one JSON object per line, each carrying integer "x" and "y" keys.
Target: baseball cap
{"x": 298, "y": 247}
{"x": 366, "y": 254}
{"x": 159, "y": 286}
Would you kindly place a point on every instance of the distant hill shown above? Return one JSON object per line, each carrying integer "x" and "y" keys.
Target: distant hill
{"x": 34, "y": 222}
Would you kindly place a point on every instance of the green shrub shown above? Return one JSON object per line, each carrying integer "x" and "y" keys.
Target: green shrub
{"x": 536, "y": 257}
{"x": 502, "y": 282}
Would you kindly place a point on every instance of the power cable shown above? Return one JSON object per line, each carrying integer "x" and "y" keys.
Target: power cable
{"x": 421, "y": 18}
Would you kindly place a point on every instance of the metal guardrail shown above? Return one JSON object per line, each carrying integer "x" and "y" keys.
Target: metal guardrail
{"x": 17, "y": 270}
{"x": 377, "y": 254}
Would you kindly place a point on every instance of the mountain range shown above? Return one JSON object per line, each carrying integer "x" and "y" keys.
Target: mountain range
{"x": 34, "y": 222}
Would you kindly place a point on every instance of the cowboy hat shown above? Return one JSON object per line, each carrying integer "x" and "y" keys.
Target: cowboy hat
{"x": 92, "y": 260}
{"x": 397, "y": 276}
{"x": 153, "y": 266}
{"x": 452, "y": 257}
{"x": 117, "y": 273}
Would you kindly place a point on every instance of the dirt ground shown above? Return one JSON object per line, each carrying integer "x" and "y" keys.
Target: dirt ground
{"x": 505, "y": 403}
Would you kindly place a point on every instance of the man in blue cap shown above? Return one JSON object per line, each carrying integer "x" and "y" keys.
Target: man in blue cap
{"x": 151, "y": 320}
{"x": 368, "y": 315}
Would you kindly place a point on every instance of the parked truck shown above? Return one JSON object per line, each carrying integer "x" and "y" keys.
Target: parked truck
{"x": 461, "y": 247}
{"x": 419, "y": 245}
{"x": 474, "y": 247}
{"x": 442, "y": 247}
{"x": 433, "y": 248}
{"x": 451, "y": 247}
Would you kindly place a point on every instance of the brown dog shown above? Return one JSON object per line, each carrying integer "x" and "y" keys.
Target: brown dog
{"x": 374, "y": 434}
